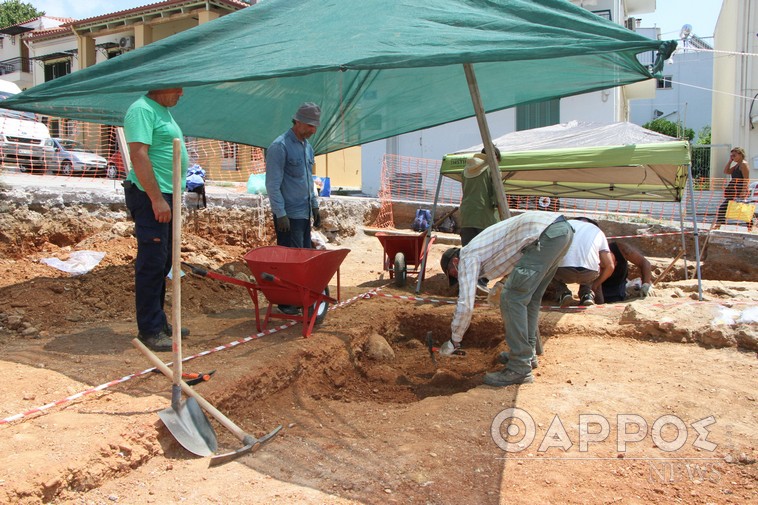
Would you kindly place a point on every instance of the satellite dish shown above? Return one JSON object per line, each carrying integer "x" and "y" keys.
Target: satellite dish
{"x": 685, "y": 32}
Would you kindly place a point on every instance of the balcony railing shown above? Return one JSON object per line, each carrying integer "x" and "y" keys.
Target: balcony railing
{"x": 19, "y": 64}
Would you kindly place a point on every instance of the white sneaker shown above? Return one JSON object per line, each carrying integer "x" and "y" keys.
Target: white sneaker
{"x": 481, "y": 286}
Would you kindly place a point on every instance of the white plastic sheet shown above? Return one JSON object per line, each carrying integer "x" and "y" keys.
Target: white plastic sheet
{"x": 78, "y": 262}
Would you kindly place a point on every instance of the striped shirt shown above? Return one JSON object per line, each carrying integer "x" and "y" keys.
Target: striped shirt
{"x": 492, "y": 254}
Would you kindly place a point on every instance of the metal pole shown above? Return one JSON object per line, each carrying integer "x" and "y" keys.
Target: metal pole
{"x": 684, "y": 244}
{"x": 428, "y": 235}
{"x": 481, "y": 119}
{"x": 694, "y": 230}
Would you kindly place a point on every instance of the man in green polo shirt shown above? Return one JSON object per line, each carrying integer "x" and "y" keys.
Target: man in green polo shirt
{"x": 150, "y": 131}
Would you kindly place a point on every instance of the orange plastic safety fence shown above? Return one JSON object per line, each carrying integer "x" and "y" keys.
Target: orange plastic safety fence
{"x": 415, "y": 179}
{"x": 412, "y": 179}
{"x": 55, "y": 146}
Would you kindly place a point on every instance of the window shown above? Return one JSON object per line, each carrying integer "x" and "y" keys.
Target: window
{"x": 665, "y": 82}
{"x": 605, "y": 13}
{"x": 536, "y": 115}
{"x": 57, "y": 69}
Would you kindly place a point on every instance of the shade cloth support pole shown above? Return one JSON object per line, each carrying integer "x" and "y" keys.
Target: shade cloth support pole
{"x": 694, "y": 232}
{"x": 684, "y": 243}
{"x": 481, "y": 119}
{"x": 428, "y": 235}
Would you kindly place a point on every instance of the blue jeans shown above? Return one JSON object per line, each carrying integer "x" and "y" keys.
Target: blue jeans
{"x": 153, "y": 261}
{"x": 298, "y": 236}
{"x": 522, "y": 293}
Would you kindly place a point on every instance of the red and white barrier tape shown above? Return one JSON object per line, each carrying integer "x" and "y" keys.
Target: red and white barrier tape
{"x": 649, "y": 235}
{"x": 106, "y": 385}
{"x": 453, "y": 302}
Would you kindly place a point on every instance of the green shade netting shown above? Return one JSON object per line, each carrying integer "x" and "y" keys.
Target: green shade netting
{"x": 377, "y": 68}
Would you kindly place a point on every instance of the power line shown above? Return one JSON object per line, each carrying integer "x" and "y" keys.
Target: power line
{"x": 716, "y": 51}
{"x": 712, "y": 90}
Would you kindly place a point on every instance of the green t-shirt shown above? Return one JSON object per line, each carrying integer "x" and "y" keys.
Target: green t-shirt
{"x": 149, "y": 122}
{"x": 479, "y": 204}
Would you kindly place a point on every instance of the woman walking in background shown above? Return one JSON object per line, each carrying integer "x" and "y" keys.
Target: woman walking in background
{"x": 739, "y": 170}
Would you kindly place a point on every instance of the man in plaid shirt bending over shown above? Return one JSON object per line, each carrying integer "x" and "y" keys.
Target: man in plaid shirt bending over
{"x": 528, "y": 249}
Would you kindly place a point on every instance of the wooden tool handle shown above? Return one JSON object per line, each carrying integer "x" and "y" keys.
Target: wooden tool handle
{"x": 221, "y": 418}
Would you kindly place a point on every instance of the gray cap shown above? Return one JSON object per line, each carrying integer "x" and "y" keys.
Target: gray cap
{"x": 308, "y": 113}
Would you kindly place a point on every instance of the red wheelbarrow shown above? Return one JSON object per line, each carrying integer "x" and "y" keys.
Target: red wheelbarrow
{"x": 289, "y": 276}
{"x": 402, "y": 251}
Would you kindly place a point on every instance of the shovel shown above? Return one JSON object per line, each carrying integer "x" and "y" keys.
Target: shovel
{"x": 251, "y": 443}
{"x": 185, "y": 420}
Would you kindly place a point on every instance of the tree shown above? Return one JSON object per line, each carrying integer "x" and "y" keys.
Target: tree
{"x": 14, "y": 11}
{"x": 670, "y": 128}
{"x": 704, "y": 135}
{"x": 701, "y": 154}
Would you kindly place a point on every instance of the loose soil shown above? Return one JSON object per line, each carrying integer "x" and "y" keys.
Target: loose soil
{"x": 367, "y": 416}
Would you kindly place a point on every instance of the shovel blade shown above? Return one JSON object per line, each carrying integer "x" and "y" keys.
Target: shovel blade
{"x": 190, "y": 427}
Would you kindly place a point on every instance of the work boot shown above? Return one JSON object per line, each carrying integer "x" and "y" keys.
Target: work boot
{"x": 507, "y": 377}
{"x": 587, "y": 300}
{"x": 290, "y": 310}
{"x": 170, "y": 331}
{"x": 503, "y": 358}
{"x": 565, "y": 300}
{"x": 158, "y": 342}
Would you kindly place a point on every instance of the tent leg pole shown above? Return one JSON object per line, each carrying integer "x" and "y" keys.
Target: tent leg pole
{"x": 694, "y": 229}
{"x": 484, "y": 130}
{"x": 684, "y": 243}
{"x": 428, "y": 235}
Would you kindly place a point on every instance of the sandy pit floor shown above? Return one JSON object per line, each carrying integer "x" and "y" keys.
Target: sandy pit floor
{"x": 650, "y": 401}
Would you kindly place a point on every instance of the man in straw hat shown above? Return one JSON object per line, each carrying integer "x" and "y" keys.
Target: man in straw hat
{"x": 527, "y": 248}
{"x": 478, "y": 202}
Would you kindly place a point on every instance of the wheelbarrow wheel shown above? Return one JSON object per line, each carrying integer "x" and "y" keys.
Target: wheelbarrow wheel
{"x": 322, "y": 309}
{"x": 401, "y": 270}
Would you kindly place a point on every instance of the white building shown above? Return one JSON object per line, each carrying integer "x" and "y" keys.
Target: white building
{"x": 735, "y": 82}
{"x": 683, "y": 95}
{"x": 16, "y": 60}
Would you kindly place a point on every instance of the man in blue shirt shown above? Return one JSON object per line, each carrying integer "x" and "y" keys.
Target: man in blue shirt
{"x": 289, "y": 179}
{"x": 289, "y": 183}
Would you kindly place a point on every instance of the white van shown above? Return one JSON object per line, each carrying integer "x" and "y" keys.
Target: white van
{"x": 22, "y": 137}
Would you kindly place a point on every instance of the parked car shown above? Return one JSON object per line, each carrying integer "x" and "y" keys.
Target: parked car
{"x": 115, "y": 168}
{"x": 22, "y": 138}
{"x": 69, "y": 157}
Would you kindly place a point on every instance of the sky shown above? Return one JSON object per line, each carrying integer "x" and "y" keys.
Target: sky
{"x": 670, "y": 15}
{"x": 81, "y": 9}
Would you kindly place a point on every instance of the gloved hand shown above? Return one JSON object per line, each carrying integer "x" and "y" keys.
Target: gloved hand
{"x": 283, "y": 224}
{"x": 647, "y": 290}
{"x": 451, "y": 348}
{"x": 316, "y": 219}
